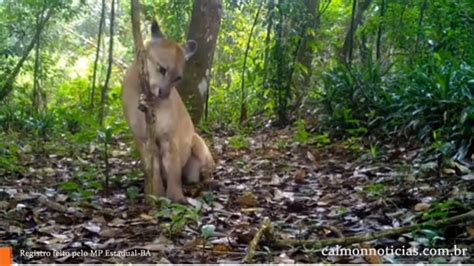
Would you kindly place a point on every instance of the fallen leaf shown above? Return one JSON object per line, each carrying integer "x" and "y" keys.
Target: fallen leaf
{"x": 162, "y": 244}
{"x": 283, "y": 258}
{"x": 147, "y": 217}
{"x": 110, "y": 232}
{"x": 300, "y": 176}
{"x": 448, "y": 171}
{"x": 15, "y": 230}
{"x": 195, "y": 203}
{"x": 248, "y": 200}
{"x": 421, "y": 207}
{"x": 429, "y": 167}
{"x": 310, "y": 156}
{"x": 92, "y": 227}
{"x": 463, "y": 169}
{"x": 222, "y": 249}
{"x": 470, "y": 230}
{"x": 117, "y": 222}
{"x": 468, "y": 177}
{"x": 4, "y": 205}
{"x": 370, "y": 257}
{"x": 190, "y": 245}
{"x": 252, "y": 210}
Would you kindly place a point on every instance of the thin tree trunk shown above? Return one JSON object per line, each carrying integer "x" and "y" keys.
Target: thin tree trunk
{"x": 103, "y": 96}
{"x": 281, "y": 103}
{"x": 347, "y": 49}
{"x": 358, "y": 10}
{"x": 118, "y": 63}
{"x": 306, "y": 53}
{"x": 107, "y": 166}
{"x": 420, "y": 24}
{"x": 243, "y": 99}
{"x": 379, "y": 32}
{"x": 36, "y": 90}
{"x": 7, "y": 86}
{"x": 204, "y": 29}
{"x": 271, "y": 6}
{"x": 151, "y": 147}
{"x": 97, "y": 53}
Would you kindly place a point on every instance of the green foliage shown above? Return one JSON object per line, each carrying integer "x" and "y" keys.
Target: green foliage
{"x": 442, "y": 210}
{"x": 133, "y": 193}
{"x": 376, "y": 190}
{"x": 281, "y": 144}
{"x": 239, "y": 142}
{"x": 436, "y": 107}
{"x": 10, "y": 152}
{"x": 429, "y": 237}
{"x": 374, "y": 151}
{"x": 84, "y": 185}
{"x": 353, "y": 144}
{"x": 179, "y": 215}
{"x": 304, "y": 137}
{"x": 207, "y": 231}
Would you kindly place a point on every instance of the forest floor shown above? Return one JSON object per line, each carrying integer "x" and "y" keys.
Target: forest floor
{"x": 306, "y": 191}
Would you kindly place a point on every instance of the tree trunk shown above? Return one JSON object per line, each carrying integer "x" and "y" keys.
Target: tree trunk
{"x": 379, "y": 32}
{"x": 423, "y": 8}
{"x": 243, "y": 99}
{"x": 358, "y": 9}
{"x": 36, "y": 89}
{"x": 97, "y": 53}
{"x": 103, "y": 94}
{"x": 7, "y": 86}
{"x": 306, "y": 53}
{"x": 204, "y": 28}
{"x": 270, "y": 15}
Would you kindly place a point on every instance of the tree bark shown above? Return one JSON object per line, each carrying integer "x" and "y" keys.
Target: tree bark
{"x": 151, "y": 146}
{"x": 358, "y": 9}
{"x": 97, "y": 53}
{"x": 204, "y": 28}
{"x": 103, "y": 94}
{"x": 7, "y": 86}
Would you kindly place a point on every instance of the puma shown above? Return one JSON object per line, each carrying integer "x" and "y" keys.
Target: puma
{"x": 183, "y": 155}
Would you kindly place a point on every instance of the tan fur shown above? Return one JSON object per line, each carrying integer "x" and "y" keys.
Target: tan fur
{"x": 182, "y": 152}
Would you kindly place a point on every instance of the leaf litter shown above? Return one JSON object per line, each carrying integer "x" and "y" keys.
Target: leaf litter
{"x": 307, "y": 191}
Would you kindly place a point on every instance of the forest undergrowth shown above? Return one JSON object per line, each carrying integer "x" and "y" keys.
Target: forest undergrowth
{"x": 308, "y": 188}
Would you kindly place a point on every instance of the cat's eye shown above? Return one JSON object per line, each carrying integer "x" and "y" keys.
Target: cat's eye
{"x": 162, "y": 70}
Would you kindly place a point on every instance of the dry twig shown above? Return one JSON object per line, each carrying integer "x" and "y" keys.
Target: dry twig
{"x": 317, "y": 244}
{"x": 265, "y": 228}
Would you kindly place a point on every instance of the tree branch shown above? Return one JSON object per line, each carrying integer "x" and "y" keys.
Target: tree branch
{"x": 150, "y": 182}
{"x": 265, "y": 228}
{"x": 317, "y": 244}
{"x": 8, "y": 85}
